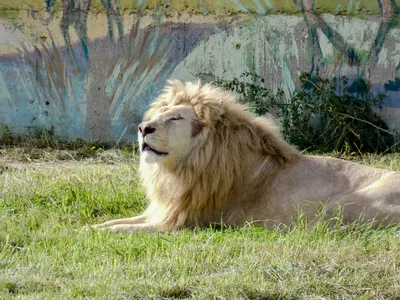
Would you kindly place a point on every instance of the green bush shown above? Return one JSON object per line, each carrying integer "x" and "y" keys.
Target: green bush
{"x": 322, "y": 114}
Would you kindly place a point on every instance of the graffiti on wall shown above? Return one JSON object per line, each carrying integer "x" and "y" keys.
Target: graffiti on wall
{"x": 89, "y": 69}
{"x": 315, "y": 22}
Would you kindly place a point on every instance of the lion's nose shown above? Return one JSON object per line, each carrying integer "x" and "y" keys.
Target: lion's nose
{"x": 146, "y": 129}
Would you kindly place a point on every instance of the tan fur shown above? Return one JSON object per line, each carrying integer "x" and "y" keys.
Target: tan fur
{"x": 226, "y": 165}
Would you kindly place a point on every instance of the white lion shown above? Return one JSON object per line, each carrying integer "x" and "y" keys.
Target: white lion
{"x": 206, "y": 159}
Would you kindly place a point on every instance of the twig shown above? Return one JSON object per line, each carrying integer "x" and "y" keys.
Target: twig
{"x": 316, "y": 86}
{"x": 126, "y": 127}
{"x": 395, "y": 145}
{"x": 366, "y": 122}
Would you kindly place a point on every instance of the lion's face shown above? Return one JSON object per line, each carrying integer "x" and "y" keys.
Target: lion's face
{"x": 168, "y": 137}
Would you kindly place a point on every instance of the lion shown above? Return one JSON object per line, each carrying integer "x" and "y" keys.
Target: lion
{"x": 205, "y": 159}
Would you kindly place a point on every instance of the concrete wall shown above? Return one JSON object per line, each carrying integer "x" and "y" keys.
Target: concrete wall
{"x": 89, "y": 68}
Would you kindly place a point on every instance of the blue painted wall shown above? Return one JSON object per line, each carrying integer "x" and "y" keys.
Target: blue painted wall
{"x": 88, "y": 69}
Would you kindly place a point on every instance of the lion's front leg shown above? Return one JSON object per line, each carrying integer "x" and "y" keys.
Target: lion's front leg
{"x": 142, "y": 219}
{"x": 134, "y": 227}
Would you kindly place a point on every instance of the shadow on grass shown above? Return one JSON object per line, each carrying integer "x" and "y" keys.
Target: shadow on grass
{"x": 29, "y": 287}
{"x": 176, "y": 292}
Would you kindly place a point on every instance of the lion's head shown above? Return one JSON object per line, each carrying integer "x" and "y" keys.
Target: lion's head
{"x": 198, "y": 147}
{"x": 168, "y": 137}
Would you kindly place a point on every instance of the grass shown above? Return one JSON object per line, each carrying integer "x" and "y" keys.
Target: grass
{"x": 45, "y": 254}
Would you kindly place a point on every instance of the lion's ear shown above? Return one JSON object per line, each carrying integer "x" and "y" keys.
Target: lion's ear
{"x": 209, "y": 114}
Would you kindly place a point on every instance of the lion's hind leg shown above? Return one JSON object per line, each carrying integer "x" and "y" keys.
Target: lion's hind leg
{"x": 378, "y": 202}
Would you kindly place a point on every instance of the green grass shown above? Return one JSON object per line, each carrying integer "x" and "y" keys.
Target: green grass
{"x": 45, "y": 254}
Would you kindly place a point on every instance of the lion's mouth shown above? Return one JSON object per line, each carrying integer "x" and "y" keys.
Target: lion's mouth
{"x": 146, "y": 147}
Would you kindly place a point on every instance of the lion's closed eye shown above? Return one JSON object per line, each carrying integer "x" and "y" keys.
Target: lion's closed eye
{"x": 176, "y": 118}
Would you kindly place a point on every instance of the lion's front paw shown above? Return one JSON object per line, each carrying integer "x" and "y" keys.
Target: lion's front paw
{"x": 88, "y": 228}
{"x": 118, "y": 228}
{"x": 102, "y": 225}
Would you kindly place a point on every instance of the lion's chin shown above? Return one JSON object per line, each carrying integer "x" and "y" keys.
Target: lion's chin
{"x": 150, "y": 157}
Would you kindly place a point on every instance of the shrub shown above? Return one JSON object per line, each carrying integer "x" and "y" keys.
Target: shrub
{"x": 322, "y": 114}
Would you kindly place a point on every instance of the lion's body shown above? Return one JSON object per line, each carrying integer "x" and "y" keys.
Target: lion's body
{"x": 206, "y": 159}
{"x": 314, "y": 182}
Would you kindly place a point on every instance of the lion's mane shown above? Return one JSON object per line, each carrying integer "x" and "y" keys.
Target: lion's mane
{"x": 230, "y": 146}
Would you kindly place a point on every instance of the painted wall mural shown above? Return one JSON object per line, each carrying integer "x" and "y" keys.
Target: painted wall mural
{"x": 89, "y": 68}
